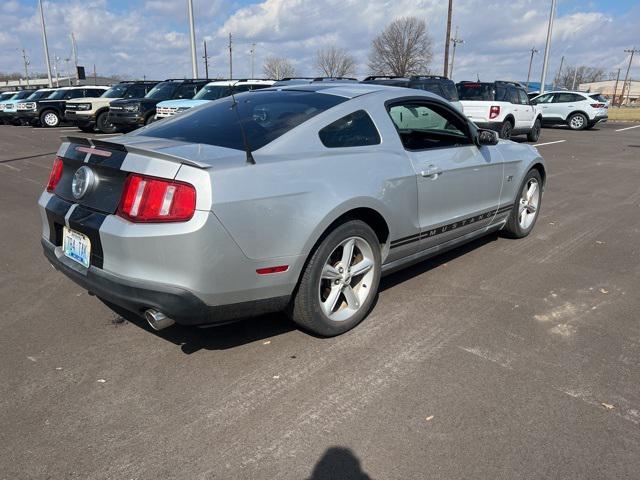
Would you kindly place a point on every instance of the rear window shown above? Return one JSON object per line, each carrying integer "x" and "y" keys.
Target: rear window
{"x": 265, "y": 115}
{"x": 445, "y": 89}
{"x": 599, "y": 97}
{"x": 476, "y": 91}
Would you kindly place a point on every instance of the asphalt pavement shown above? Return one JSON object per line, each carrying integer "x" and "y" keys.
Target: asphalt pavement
{"x": 504, "y": 359}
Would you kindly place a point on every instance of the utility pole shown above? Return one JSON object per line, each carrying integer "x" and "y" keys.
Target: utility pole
{"x": 615, "y": 90}
{"x": 632, "y": 51}
{"x": 74, "y": 55}
{"x": 533, "y": 52}
{"x": 447, "y": 39}
{"x": 46, "y": 45}
{"x": 206, "y": 61}
{"x": 575, "y": 76}
{"x": 67, "y": 60}
{"x": 557, "y": 79}
{"x": 95, "y": 75}
{"x": 455, "y": 40}
{"x": 56, "y": 59}
{"x": 253, "y": 51}
{"x": 27, "y": 62}
{"x": 547, "y": 47}
{"x": 230, "y": 58}
{"x": 192, "y": 37}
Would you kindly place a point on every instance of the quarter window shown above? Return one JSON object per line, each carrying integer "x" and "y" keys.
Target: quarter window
{"x": 428, "y": 126}
{"x": 354, "y": 130}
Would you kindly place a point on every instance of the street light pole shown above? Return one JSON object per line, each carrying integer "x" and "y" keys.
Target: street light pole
{"x": 192, "y": 37}
{"x": 46, "y": 45}
{"x": 533, "y": 52}
{"x": 253, "y": 51}
{"x": 547, "y": 47}
{"x": 206, "y": 61}
{"x": 632, "y": 51}
{"x": 230, "y": 58}
{"x": 27, "y": 62}
{"x": 455, "y": 40}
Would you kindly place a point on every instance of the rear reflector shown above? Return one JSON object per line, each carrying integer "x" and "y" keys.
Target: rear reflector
{"x": 150, "y": 199}
{"x": 494, "y": 111}
{"x": 598, "y": 105}
{"x": 55, "y": 175}
{"x": 269, "y": 270}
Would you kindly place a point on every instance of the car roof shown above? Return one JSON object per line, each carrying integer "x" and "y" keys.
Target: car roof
{"x": 244, "y": 81}
{"x": 346, "y": 89}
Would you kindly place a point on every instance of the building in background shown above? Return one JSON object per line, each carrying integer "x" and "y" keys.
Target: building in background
{"x": 606, "y": 87}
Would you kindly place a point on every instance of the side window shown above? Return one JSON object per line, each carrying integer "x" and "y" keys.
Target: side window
{"x": 568, "y": 97}
{"x": 577, "y": 98}
{"x": 93, "y": 92}
{"x": 136, "y": 91}
{"x": 423, "y": 126}
{"x": 354, "y": 130}
{"x": 188, "y": 90}
{"x": 546, "y": 98}
{"x": 74, "y": 94}
{"x": 522, "y": 97}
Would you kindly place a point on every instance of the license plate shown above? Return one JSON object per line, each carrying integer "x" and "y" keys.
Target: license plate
{"x": 76, "y": 246}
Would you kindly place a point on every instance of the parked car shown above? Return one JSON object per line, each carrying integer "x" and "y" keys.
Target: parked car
{"x": 9, "y": 107}
{"x": 49, "y": 112}
{"x": 501, "y": 106}
{"x": 30, "y": 104}
{"x": 90, "y": 113}
{"x": 575, "y": 109}
{"x": 431, "y": 83}
{"x": 307, "y": 80}
{"x": 128, "y": 114}
{"x": 293, "y": 199}
{"x": 6, "y": 96}
{"x": 211, "y": 91}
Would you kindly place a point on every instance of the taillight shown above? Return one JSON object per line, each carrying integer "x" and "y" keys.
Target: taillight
{"x": 494, "y": 111}
{"x": 55, "y": 175}
{"x": 598, "y": 105}
{"x": 149, "y": 199}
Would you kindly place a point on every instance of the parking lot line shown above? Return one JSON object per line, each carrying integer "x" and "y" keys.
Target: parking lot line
{"x": 548, "y": 143}
{"x": 627, "y": 128}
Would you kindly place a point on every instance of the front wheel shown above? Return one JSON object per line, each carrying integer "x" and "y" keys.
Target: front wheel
{"x": 49, "y": 119}
{"x": 103, "y": 124}
{"x": 526, "y": 208}
{"x": 506, "y": 130}
{"x": 577, "y": 121}
{"x": 534, "y": 133}
{"x": 339, "y": 284}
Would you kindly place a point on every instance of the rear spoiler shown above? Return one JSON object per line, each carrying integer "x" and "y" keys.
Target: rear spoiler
{"x": 95, "y": 143}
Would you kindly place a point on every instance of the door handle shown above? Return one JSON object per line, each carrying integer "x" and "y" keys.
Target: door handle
{"x": 431, "y": 172}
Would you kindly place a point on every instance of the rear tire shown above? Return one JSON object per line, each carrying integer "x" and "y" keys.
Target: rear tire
{"x": 340, "y": 281}
{"x": 526, "y": 207}
{"x": 577, "y": 121}
{"x": 534, "y": 133}
{"x": 103, "y": 124}
{"x": 506, "y": 130}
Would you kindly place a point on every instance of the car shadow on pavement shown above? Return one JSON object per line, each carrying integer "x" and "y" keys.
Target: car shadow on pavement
{"x": 338, "y": 463}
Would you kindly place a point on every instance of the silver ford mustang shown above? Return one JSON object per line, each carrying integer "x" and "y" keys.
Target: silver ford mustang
{"x": 293, "y": 198}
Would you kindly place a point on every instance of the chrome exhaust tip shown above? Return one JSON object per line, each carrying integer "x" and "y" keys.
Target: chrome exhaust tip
{"x": 157, "y": 320}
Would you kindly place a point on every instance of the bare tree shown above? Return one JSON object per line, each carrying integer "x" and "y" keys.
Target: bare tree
{"x": 403, "y": 48}
{"x": 335, "y": 62}
{"x": 582, "y": 75}
{"x": 278, "y": 67}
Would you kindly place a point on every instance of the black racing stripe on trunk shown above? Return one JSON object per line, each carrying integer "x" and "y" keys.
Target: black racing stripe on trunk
{"x": 73, "y": 154}
{"x": 89, "y": 222}
{"x": 56, "y": 210}
{"x": 114, "y": 160}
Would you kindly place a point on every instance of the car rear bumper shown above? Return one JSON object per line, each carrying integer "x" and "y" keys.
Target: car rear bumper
{"x": 495, "y": 126}
{"x": 599, "y": 119}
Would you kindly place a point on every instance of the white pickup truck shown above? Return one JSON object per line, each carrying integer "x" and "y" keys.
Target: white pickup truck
{"x": 501, "y": 106}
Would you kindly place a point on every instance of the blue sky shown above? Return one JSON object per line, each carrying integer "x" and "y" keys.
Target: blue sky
{"x": 149, "y": 37}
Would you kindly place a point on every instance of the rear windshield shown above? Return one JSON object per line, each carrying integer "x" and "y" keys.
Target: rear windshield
{"x": 265, "y": 115}
{"x": 444, "y": 89}
{"x": 599, "y": 97}
{"x": 477, "y": 91}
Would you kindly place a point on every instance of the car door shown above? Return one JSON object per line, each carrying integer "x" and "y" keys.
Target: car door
{"x": 545, "y": 102}
{"x": 459, "y": 184}
{"x": 563, "y": 104}
{"x": 525, "y": 110}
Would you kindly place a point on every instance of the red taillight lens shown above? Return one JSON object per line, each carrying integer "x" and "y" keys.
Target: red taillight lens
{"x": 270, "y": 270}
{"x": 149, "y": 199}
{"x": 55, "y": 175}
{"x": 597, "y": 105}
{"x": 494, "y": 111}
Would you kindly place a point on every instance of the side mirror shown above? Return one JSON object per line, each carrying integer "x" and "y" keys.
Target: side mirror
{"x": 487, "y": 137}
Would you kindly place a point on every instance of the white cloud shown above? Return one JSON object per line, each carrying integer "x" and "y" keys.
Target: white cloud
{"x": 150, "y": 38}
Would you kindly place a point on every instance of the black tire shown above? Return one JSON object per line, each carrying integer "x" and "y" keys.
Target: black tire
{"x": 49, "y": 119}
{"x": 513, "y": 229}
{"x": 534, "y": 133}
{"x": 577, "y": 121}
{"x": 506, "y": 130}
{"x": 590, "y": 126}
{"x": 150, "y": 119}
{"x": 103, "y": 124}
{"x": 305, "y": 309}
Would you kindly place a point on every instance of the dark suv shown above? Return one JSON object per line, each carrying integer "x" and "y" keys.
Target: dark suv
{"x": 90, "y": 113}
{"x": 49, "y": 112}
{"x": 437, "y": 84}
{"x": 129, "y": 114}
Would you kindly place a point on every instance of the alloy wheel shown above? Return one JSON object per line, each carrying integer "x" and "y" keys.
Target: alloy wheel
{"x": 345, "y": 282}
{"x": 51, "y": 119}
{"x": 577, "y": 122}
{"x": 529, "y": 202}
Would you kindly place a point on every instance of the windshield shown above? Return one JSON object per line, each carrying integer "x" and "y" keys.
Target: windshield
{"x": 58, "y": 95}
{"x": 265, "y": 116}
{"x": 476, "y": 91}
{"x": 116, "y": 91}
{"x": 22, "y": 95}
{"x": 7, "y": 96}
{"x": 213, "y": 92}
{"x": 162, "y": 91}
{"x": 39, "y": 94}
